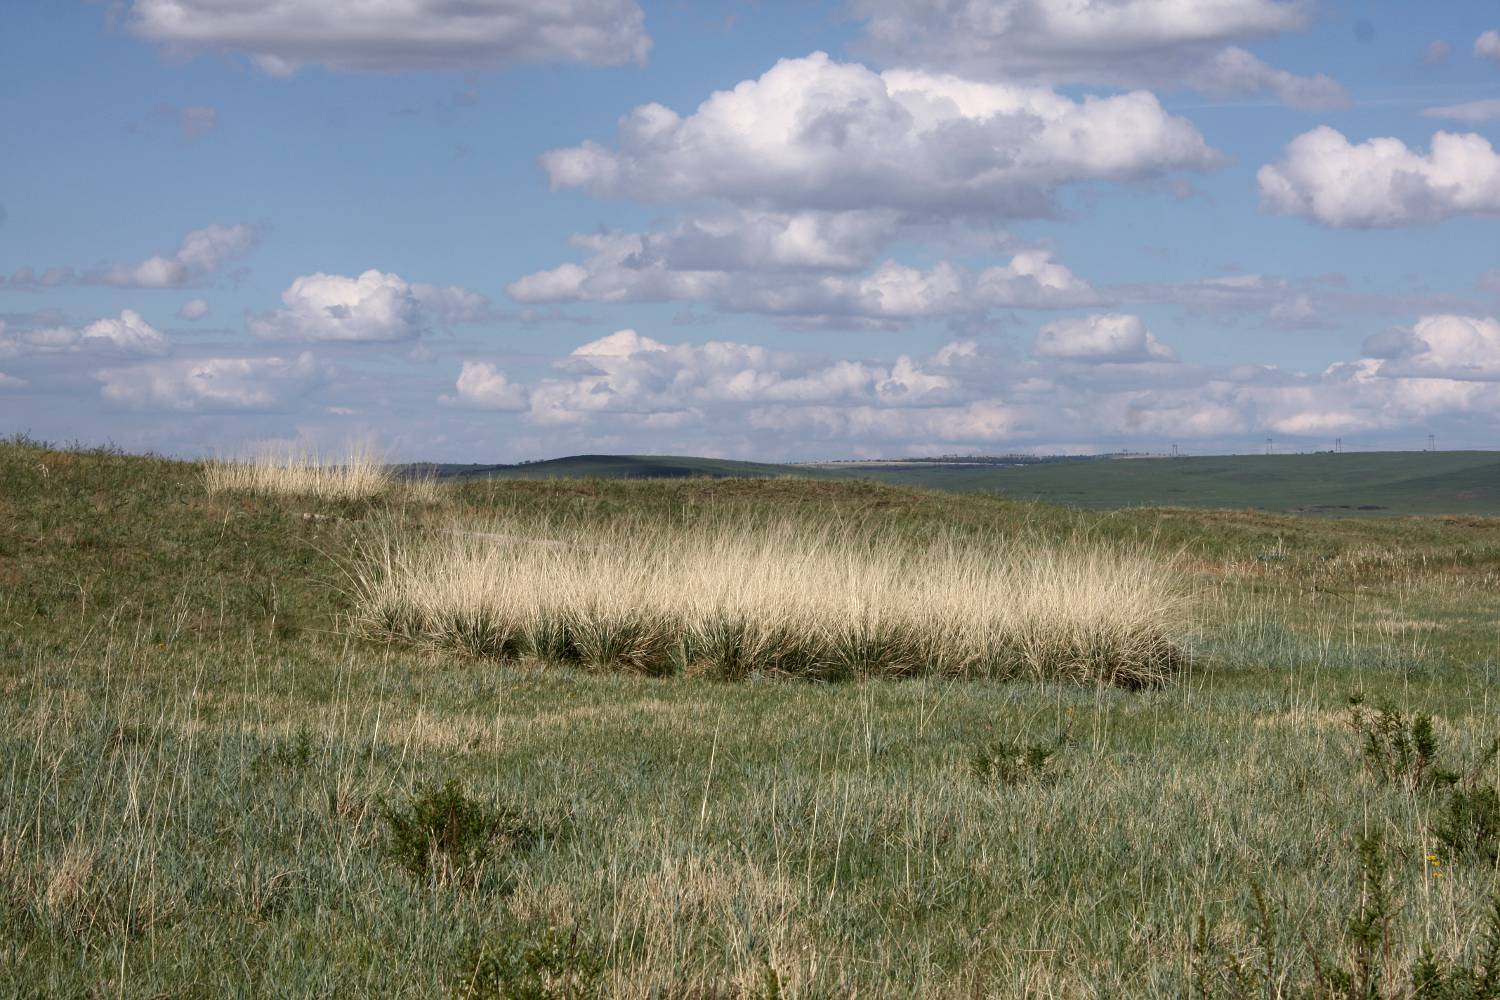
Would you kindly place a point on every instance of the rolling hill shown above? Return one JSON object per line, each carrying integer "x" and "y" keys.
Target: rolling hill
{"x": 1367, "y": 483}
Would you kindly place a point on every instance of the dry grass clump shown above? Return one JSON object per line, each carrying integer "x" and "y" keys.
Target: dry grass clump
{"x": 820, "y": 602}
{"x": 360, "y": 473}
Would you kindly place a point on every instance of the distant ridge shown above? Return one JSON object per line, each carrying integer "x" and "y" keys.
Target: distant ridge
{"x": 614, "y": 467}
{"x": 1352, "y": 483}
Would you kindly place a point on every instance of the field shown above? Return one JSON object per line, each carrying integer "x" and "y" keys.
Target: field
{"x": 1365, "y": 483}
{"x": 220, "y": 778}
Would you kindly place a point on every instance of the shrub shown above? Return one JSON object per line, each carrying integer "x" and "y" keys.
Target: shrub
{"x": 1360, "y": 965}
{"x": 1398, "y": 749}
{"x": 1470, "y": 825}
{"x": 1015, "y": 762}
{"x": 551, "y": 966}
{"x": 442, "y": 832}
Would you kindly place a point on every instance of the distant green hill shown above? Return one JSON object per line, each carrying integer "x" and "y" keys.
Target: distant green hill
{"x": 1369, "y": 483}
{"x": 617, "y": 467}
{"x": 1392, "y": 482}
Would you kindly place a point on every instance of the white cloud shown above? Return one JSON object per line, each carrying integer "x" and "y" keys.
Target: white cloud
{"x": 1129, "y": 43}
{"x": 483, "y": 386}
{"x": 282, "y": 35}
{"x": 1381, "y": 182}
{"x": 1099, "y": 339}
{"x": 1469, "y": 111}
{"x": 212, "y": 383}
{"x": 630, "y": 377}
{"x": 1487, "y": 46}
{"x": 1444, "y": 346}
{"x": 193, "y": 309}
{"x": 1233, "y": 71}
{"x": 129, "y": 333}
{"x": 1104, "y": 379}
{"x": 201, "y": 253}
{"x": 376, "y": 306}
{"x": 812, "y": 134}
{"x": 633, "y": 267}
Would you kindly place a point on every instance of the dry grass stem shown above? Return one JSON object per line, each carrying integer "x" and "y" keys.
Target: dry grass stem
{"x": 725, "y": 600}
{"x": 358, "y": 474}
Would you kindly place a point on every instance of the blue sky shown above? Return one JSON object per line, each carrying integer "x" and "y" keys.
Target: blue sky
{"x": 499, "y": 230}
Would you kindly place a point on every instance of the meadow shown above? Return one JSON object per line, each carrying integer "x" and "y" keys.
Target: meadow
{"x": 245, "y": 750}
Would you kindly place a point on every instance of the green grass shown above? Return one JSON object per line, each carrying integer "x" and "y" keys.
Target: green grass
{"x": 199, "y": 762}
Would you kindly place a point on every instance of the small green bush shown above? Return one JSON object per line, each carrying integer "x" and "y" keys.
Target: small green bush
{"x": 1398, "y": 749}
{"x": 551, "y": 966}
{"x": 1011, "y": 761}
{"x": 1470, "y": 826}
{"x": 442, "y": 832}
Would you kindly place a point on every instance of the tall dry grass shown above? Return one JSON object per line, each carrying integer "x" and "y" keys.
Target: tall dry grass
{"x": 822, "y": 602}
{"x": 360, "y": 472}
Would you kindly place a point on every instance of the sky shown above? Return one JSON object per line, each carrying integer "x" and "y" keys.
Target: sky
{"x": 503, "y": 230}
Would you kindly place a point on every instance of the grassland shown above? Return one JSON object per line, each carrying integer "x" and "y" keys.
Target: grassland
{"x": 1349, "y": 484}
{"x": 214, "y": 785}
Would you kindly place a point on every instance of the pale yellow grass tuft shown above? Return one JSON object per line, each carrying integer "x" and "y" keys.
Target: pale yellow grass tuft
{"x": 359, "y": 473}
{"x": 824, "y": 602}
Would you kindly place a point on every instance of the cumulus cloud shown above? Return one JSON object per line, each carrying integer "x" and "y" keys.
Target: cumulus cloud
{"x": 202, "y": 252}
{"x": 812, "y": 134}
{"x": 1487, "y": 46}
{"x": 211, "y": 384}
{"x": 1381, "y": 182}
{"x": 1109, "y": 337}
{"x": 633, "y": 267}
{"x": 128, "y": 333}
{"x": 280, "y": 36}
{"x": 193, "y": 309}
{"x": 1469, "y": 111}
{"x": 483, "y": 386}
{"x": 1102, "y": 378}
{"x": 1446, "y": 346}
{"x": 630, "y": 377}
{"x": 1128, "y": 43}
{"x": 376, "y": 306}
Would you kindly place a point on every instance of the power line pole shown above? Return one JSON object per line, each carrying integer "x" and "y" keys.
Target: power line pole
{"x": 1338, "y": 446}
{"x": 1268, "y": 446}
{"x": 1431, "y": 442}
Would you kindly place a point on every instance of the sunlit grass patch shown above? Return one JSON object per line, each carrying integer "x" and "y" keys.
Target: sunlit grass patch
{"x": 729, "y": 599}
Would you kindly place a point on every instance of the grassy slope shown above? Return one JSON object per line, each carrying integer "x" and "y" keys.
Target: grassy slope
{"x": 195, "y": 757}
